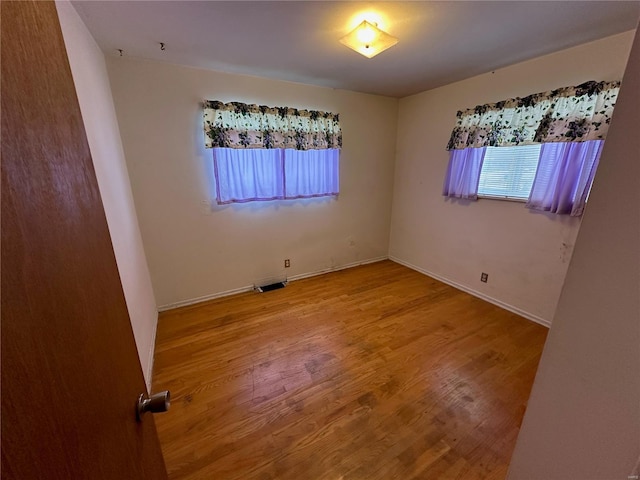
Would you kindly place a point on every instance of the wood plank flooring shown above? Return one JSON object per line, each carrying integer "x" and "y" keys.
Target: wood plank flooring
{"x": 375, "y": 372}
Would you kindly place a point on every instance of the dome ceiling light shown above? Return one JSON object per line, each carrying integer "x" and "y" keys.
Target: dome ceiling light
{"x": 368, "y": 40}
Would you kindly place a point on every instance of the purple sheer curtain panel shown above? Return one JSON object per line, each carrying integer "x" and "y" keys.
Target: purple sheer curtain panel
{"x": 248, "y": 175}
{"x": 463, "y": 173}
{"x": 311, "y": 173}
{"x": 255, "y": 174}
{"x": 564, "y": 176}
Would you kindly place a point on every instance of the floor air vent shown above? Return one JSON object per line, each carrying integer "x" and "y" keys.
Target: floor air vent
{"x": 271, "y": 286}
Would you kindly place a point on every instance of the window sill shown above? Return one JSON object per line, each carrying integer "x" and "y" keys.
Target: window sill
{"x": 507, "y": 199}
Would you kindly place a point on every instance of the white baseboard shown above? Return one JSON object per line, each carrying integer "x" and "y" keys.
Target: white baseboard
{"x": 249, "y": 288}
{"x": 205, "y": 298}
{"x": 335, "y": 269}
{"x": 475, "y": 293}
{"x": 464, "y": 288}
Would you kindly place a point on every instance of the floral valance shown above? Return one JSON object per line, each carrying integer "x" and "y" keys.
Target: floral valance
{"x": 570, "y": 114}
{"x": 238, "y": 125}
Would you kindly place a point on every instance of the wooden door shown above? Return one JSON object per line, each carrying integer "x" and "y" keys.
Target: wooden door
{"x": 70, "y": 371}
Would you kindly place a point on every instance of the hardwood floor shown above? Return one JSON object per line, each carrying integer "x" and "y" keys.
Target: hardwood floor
{"x": 375, "y": 372}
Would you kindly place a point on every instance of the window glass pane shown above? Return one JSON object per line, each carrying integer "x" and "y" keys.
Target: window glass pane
{"x": 508, "y": 172}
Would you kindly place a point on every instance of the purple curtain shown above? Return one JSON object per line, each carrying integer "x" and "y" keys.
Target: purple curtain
{"x": 248, "y": 175}
{"x": 564, "y": 176}
{"x": 252, "y": 174}
{"x": 311, "y": 173}
{"x": 463, "y": 173}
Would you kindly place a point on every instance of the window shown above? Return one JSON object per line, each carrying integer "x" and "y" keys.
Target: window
{"x": 269, "y": 153}
{"x": 508, "y": 172}
{"x": 548, "y": 143}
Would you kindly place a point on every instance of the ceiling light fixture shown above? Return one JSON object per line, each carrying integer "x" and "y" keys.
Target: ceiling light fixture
{"x": 368, "y": 40}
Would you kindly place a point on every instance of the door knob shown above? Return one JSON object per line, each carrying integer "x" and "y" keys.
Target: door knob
{"x": 156, "y": 403}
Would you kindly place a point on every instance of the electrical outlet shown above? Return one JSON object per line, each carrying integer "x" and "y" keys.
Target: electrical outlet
{"x": 484, "y": 277}
{"x": 287, "y": 263}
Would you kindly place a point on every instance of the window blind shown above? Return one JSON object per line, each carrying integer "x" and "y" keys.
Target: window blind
{"x": 508, "y": 172}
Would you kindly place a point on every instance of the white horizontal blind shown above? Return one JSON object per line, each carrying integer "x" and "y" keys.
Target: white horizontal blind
{"x": 508, "y": 172}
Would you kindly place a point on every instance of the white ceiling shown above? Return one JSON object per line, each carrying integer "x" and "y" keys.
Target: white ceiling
{"x": 440, "y": 42}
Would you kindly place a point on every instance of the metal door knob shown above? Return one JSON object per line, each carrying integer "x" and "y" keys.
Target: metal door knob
{"x": 156, "y": 403}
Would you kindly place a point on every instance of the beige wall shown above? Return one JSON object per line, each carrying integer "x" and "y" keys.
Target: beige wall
{"x": 583, "y": 418}
{"x": 526, "y": 254}
{"x": 96, "y": 104}
{"x": 197, "y": 249}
